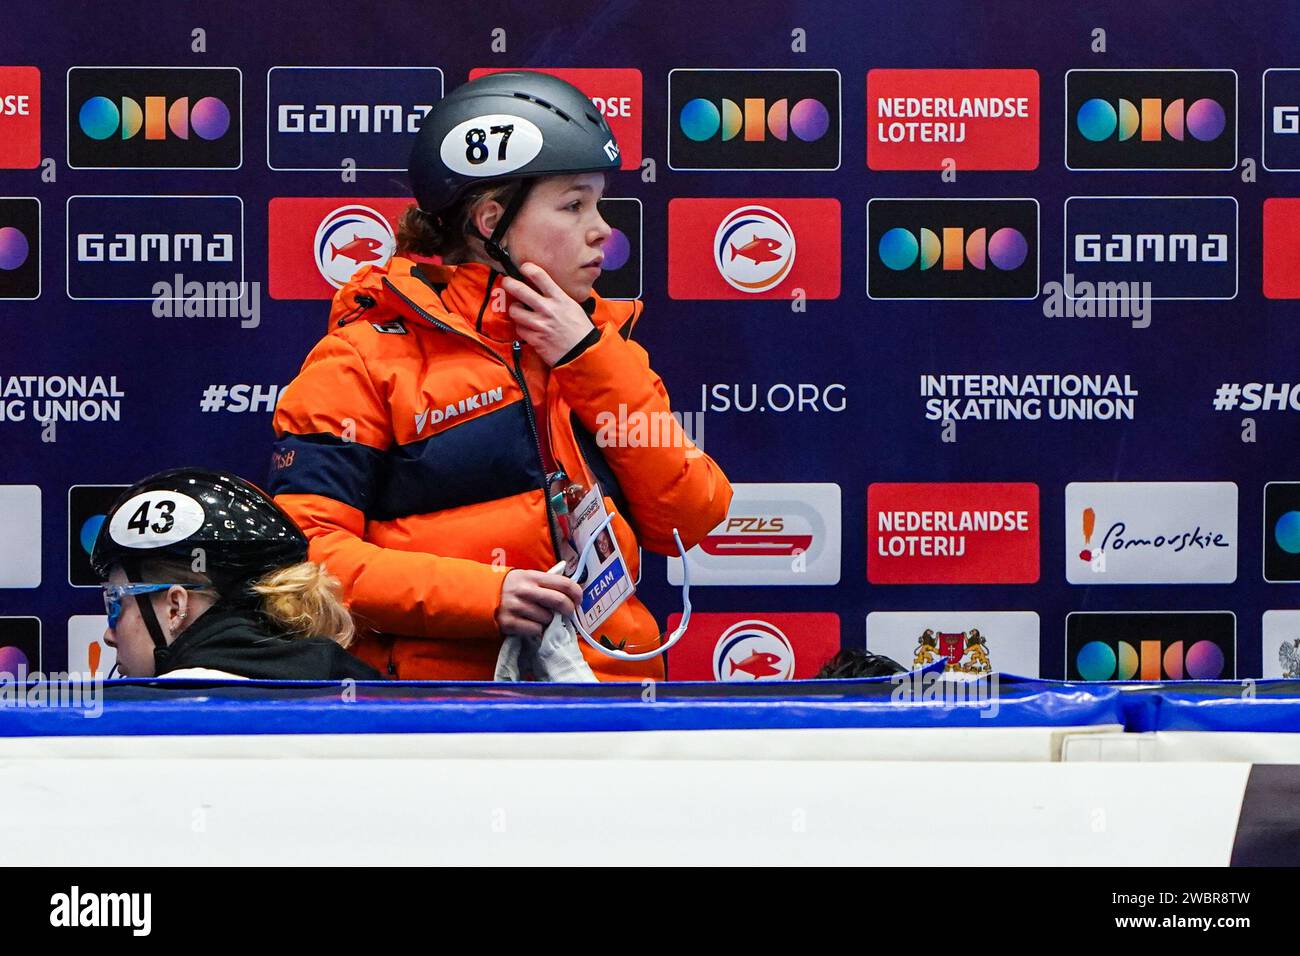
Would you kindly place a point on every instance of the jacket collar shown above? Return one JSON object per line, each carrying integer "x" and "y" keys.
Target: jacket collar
{"x": 459, "y": 296}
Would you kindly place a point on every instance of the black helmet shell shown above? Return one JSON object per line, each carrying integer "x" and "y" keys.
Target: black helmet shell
{"x": 517, "y": 124}
{"x": 241, "y": 531}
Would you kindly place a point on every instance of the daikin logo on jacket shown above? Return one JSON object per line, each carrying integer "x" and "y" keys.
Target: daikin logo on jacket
{"x": 435, "y": 416}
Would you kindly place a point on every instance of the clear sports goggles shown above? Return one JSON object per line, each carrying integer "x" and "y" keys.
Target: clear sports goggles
{"x": 618, "y": 653}
{"x": 114, "y": 593}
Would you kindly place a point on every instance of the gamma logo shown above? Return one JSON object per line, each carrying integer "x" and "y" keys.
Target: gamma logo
{"x": 1151, "y": 119}
{"x": 155, "y": 118}
{"x": 1282, "y": 120}
{"x": 753, "y": 119}
{"x": 1184, "y": 246}
{"x": 318, "y": 116}
{"x": 1150, "y": 645}
{"x": 952, "y": 249}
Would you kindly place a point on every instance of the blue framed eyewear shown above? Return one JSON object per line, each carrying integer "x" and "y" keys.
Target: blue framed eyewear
{"x": 113, "y": 594}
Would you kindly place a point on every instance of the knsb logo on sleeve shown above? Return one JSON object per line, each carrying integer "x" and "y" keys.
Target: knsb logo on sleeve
{"x": 750, "y": 647}
{"x": 1150, "y": 119}
{"x": 753, "y": 248}
{"x": 20, "y": 117}
{"x": 773, "y": 534}
{"x": 155, "y": 117}
{"x": 1185, "y": 247}
{"x": 615, "y": 92}
{"x": 316, "y": 245}
{"x": 952, "y": 533}
{"x": 978, "y": 119}
{"x": 971, "y": 643}
{"x": 318, "y": 117}
{"x": 1151, "y": 532}
{"x": 1150, "y": 645}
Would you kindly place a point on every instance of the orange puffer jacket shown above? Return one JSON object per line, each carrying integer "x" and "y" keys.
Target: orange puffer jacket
{"x": 410, "y": 451}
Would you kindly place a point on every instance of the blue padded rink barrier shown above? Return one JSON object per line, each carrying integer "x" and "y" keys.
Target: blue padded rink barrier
{"x": 206, "y": 772}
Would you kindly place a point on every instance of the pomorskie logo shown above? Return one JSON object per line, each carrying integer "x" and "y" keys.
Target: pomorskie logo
{"x": 754, "y": 248}
{"x": 1153, "y": 532}
{"x": 436, "y": 416}
{"x": 349, "y": 238}
{"x": 773, "y": 534}
{"x": 753, "y": 650}
{"x": 78, "y": 909}
{"x": 1184, "y": 246}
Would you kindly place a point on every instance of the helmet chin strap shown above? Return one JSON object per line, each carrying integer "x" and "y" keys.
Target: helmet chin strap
{"x": 132, "y": 567}
{"x": 493, "y": 243}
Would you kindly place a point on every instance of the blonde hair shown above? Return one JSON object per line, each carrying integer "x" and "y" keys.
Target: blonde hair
{"x": 305, "y": 600}
{"x": 302, "y": 600}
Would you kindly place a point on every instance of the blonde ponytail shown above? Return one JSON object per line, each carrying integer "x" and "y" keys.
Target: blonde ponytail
{"x": 305, "y": 600}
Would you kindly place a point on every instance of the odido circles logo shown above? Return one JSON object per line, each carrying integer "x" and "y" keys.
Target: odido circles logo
{"x": 154, "y": 118}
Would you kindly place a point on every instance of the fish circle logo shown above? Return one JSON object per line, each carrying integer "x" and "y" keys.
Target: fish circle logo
{"x": 349, "y": 238}
{"x": 753, "y": 650}
{"x": 208, "y": 118}
{"x": 1099, "y": 120}
{"x": 754, "y": 248}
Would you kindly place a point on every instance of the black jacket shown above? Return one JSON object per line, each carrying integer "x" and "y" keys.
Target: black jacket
{"x": 241, "y": 641}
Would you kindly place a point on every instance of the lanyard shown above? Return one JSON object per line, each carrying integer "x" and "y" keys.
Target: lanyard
{"x": 615, "y": 653}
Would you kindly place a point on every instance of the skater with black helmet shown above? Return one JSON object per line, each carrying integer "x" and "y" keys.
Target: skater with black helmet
{"x": 205, "y": 576}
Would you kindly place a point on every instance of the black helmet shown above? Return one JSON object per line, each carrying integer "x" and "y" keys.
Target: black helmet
{"x": 556, "y": 129}
{"x": 503, "y": 126}
{"x": 241, "y": 531}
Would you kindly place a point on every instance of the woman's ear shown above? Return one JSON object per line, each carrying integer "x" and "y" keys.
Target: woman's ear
{"x": 486, "y": 216}
{"x": 178, "y": 609}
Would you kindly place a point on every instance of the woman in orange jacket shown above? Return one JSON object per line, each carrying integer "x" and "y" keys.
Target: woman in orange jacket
{"x": 424, "y": 444}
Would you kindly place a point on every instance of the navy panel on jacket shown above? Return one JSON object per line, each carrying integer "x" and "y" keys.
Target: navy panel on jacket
{"x": 483, "y": 459}
{"x": 325, "y": 464}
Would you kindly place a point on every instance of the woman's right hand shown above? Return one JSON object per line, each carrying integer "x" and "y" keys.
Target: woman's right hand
{"x": 530, "y": 598}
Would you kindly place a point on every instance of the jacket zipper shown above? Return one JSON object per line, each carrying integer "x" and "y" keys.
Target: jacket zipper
{"x": 518, "y": 375}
